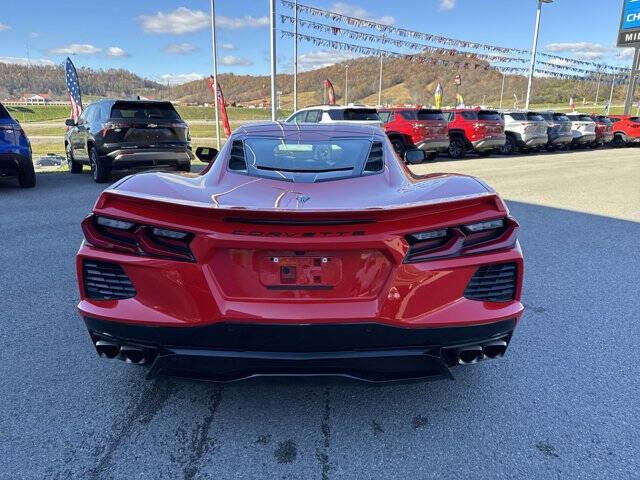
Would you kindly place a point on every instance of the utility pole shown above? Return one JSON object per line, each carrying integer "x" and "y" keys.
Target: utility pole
{"x": 215, "y": 70}
{"x": 272, "y": 16}
{"x": 633, "y": 79}
{"x": 295, "y": 59}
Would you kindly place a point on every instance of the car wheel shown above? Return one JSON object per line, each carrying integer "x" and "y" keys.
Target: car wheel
{"x": 99, "y": 171}
{"x": 399, "y": 147}
{"x": 456, "y": 148}
{"x": 430, "y": 157}
{"x": 74, "y": 167}
{"x": 617, "y": 141}
{"x": 27, "y": 177}
{"x": 509, "y": 147}
{"x": 485, "y": 153}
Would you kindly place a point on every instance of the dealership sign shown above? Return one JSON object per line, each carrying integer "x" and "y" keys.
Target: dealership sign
{"x": 629, "y": 34}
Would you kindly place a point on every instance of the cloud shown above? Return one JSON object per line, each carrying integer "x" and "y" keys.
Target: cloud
{"x": 322, "y": 58}
{"x": 228, "y": 46}
{"x": 244, "y": 22}
{"x": 25, "y": 61}
{"x": 182, "y": 20}
{"x": 581, "y": 50}
{"x": 233, "y": 60}
{"x": 34, "y": 35}
{"x": 116, "y": 52}
{"x": 75, "y": 49}
{"x": 447, "y": 4}
{"x": 4, "y": 27}
{"x": 626, "y": 53}
{"x": 344, "y": 8}
{"x": 179, "y": 78}
{"x": 180, "y": 48}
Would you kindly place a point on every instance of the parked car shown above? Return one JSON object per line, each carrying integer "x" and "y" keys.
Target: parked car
{"x": 558, "y": 130}
{"x": 360, "y": 114}
{"x": 604, "y": 130}
{"x": 415, "y": 127}
{"x": 15, "y": 151}
{"x": 626, "y": 130}
{"x": 127, "y": 134}
{"x": 525, "y": 131}
{"x": 474, "y": 130}
{"x": 324, "y": 255}
{"x": 583, "y": 129}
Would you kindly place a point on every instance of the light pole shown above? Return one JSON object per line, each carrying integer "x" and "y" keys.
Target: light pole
{"x": 295, "y": 59}
{"x": 533, "y": 50}
{"x": 504, "y": 75}
{"x": 613, "y": 84}
{"x": 214, "y": 54}
{"x": 380, "y": 82}
{"x": 272, "y": 16}
{"x": 598, "y": 89}
{"x": 346, "y": 84}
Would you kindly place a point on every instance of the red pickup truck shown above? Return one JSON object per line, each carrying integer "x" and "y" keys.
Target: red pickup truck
{"x": 626, "y": 130}
{"x": 475, "y": 130}
{"x": 416, "y": 127}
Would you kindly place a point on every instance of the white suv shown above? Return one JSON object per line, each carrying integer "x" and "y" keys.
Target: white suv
{"x": 360, "y": 114}
{"x": 524, "y": 130}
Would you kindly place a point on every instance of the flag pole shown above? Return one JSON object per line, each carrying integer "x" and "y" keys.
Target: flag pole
{"x": 215, "y": 70}
{"x": 295, "y": 59}
{"x": 272, "y": 16}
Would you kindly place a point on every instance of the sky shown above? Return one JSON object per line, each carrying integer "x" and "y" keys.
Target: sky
{"x": 170, "y": 40}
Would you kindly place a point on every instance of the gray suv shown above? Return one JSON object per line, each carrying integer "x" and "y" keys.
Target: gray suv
{"x": 558, "y": 130}
{"x": 525, "y": 131}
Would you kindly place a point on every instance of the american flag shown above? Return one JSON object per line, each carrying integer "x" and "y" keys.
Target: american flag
{"x": 74, "y": 89}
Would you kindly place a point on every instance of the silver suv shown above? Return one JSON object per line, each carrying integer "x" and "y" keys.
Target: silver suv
{"x": 360, "y": 114}
{"x": 583, "y": 129}
{"x": 524, "y": 130}
{"x": 558, "y": 130}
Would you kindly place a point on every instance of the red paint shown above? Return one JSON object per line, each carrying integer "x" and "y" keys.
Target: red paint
{"x": 234, "y": 276}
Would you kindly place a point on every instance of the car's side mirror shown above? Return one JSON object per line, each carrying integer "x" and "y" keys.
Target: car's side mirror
{"x": 414, "y": 156}
{"x": 69, "y": 122}
{"x": 206, "y": 154}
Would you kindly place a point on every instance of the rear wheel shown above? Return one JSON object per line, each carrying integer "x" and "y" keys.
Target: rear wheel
{"x": 99, "y": 170}
{"x": 430, "y": 157}
{"x": 399, "y": 147}
{"x": 618, "y": 141}
{"x": 509, "y": 147}
{"x": 74, "y": 167}
{"x": 27, "y": 177}
{"x": 456, "y": 148}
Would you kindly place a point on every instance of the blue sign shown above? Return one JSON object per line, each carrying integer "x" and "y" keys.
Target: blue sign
{"x": 631, "y": 15}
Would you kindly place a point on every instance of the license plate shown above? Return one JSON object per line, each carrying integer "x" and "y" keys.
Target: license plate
{"x": 310, "y": 272}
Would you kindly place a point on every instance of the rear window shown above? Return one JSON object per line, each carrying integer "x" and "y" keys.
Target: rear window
{"x": 585, "y": 118}
{"x": 519, "y": 116}
{"x": 560, "y": 117}
{"x": 3, "y": 112}
{"x": 535, "y": 117}
{"x": 334, "y": 158}
{"x": 547, "y": 116}
{"x": 354, "y": 114}
{"x": 144, "y": 111}
{"x": 635, "y": 119}
{"x": 427, "y": 115}
{"x": 489, "y": 115}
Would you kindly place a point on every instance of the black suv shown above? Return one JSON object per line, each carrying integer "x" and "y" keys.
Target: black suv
{"x": 127, "y": 134}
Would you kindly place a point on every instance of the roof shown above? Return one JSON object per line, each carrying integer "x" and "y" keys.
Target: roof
{"x": 281, "y": 129}
{"x": 326, "y": 106}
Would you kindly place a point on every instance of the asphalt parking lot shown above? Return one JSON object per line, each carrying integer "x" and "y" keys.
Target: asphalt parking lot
{"x": 563, "y": 403}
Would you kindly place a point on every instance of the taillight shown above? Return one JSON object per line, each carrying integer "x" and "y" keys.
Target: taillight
{"x": 116, "y": 127}
{"x": 467, "y": 239}
{"x": 128, "y": 237}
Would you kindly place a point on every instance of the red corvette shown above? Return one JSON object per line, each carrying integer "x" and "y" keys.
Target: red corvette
{"x": 301, "y": 250}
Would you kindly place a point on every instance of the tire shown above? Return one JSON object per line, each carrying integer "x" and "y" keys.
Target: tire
{"x": 485, "y": 153}
{"x": 431, "y": 157}
{"x": 27, "y": 176}
{"x": 510, "y": 147}
{"x": 617, "y": 141}
{"x": 74, "y": 167}
{"x": 456, "y": 148}
{"x": 99, "y": 171}
{"x": 399, "y": 147}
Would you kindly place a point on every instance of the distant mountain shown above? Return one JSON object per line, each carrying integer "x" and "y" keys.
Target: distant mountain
{"x": 403, "y": 82}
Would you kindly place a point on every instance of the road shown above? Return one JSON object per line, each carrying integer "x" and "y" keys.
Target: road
{"x": 562, "y": 404}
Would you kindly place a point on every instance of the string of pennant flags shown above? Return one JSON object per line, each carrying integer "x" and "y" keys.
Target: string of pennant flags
{"x": 463, "y": 63}
{"x": 556, "y": 61}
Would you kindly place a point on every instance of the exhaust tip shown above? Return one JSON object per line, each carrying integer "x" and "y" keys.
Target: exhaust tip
{"x": 132, "y": 355}
{"x": 469, "y": 355}
{"x": 107, "y": 349}
{"x": 495, "y": 349}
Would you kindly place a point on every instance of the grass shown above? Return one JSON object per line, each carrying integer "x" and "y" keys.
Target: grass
{"x": 43, "y": 148}
{"x": 38, "y": 113}
{"x": 235, "y": 114}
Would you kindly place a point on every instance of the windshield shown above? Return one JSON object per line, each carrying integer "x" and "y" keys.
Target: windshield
{"x": 334, "y": 158}
{"x": 519, "y": 116}
{"x": 560, "y": 117}
{"x": 535, "y": 117}
{"x": 547, "y": 116}
{"x": 3, "y": 112}
{"x": 143, "y": 111}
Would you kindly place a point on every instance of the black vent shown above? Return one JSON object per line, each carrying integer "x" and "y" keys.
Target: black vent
{"x": 375, "y": 161}
{"x": 493, "y": 283}
{"x": 106, "y": 281}
{"x": 237, "y": 160}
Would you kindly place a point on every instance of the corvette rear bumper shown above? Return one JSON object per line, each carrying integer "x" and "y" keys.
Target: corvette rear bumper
{"x": 369, "y": 352}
